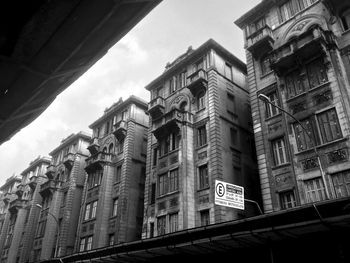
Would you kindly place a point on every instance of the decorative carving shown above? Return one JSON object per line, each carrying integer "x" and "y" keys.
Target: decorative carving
{"x": 282, "y": 179}
{"x": 310, "y": 163}
{"x": 322, "y": 97}
{"x": 202, "y": 155}
{"x": 337, "y": 155}
{"x": 163, "y": 164}
{"x": 173, "y": 202}
{"x": 300, "y": 26}
{"x": 298, "y": 107}
{"x": 204, "y": 199}
{"x": 275, "y": 127}
{"x": 161, "y": 205}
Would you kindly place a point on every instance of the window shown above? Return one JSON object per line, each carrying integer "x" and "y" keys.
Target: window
{"x": 115, "y": 207}
{"x": 155, "y": 156}
{"x": 231, "y": 107}
{"x": 163, "y": 184}
{"x": 89, "y": 243}
{"x": 173, "y": 83}
{"x": 161, "y": 224}
{"x": 292, "y": 7}
{"x": 228, "y": 71}
{"x": 124, "y": 115}
{"x": 118, "y": 174}
{"x": 94, "y": 207}
{"x": 202, "y": 136}
{"x": 41, "y": 229}
{"x": 234, "y": 136}
{"x": 173, "y": 222}
{"x": 153, "y": 193}
{"x": 36, "y": 256}
{"x": 174, "y": 180}
{"x": 151, "y": 229}
{"x": 107, "y": 128}
{"x": 256, "y": 26}
{"x": 121, "y": 146}
{"x": 341, "y": 183}
{"x": 175, "y": 138}
{"x": 111, "y": 239}
{"x": 304, "y": 135}
{"x": 265, "y": 65}
{"x": 345, "y": 19}
{"x": 296, "y": 83}
{"x": 270, "y": 109}
{"x": 183, "y": 79}
{"x": 316, "y": 72}
{"x": 82, "y": 244}
{"x": 87, "y": 212}
{"x": 279, "y": 151}
{"x": 314, "y": 190}
{"x": 201, "y": 100}
{"x": 110, "y": 148}
{"x": 287, "y": 199}
{"x": 94, "y": 179}
{"x": 329, "y": 126}
{"x": 203, "y": 176}
{"x": 205, "y": 219}
{"x": 90, "y": 210}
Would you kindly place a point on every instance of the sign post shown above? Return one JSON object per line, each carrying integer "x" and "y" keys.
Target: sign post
{"x": 229, "y": 195}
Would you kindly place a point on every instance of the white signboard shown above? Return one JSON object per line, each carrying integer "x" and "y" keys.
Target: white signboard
{"x": 229, "y": 195}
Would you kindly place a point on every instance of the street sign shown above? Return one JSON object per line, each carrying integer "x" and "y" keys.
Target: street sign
{"x": 229, "y": 195}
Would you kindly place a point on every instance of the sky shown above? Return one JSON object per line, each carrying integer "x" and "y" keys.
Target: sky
{"x": 132, "y": 63}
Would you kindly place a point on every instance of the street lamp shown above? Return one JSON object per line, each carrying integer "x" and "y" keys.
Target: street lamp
{"x": 266, "y": 99}
{"x": 58, "y": 229}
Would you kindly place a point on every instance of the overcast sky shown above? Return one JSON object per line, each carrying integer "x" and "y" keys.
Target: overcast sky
{"x": 164, "y": 34}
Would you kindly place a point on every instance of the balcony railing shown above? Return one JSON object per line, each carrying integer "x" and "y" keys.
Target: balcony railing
{"x": 68, "y": 160}
{"x": 197, "y": 81}
{"x": 94, "y": 146}
{"x": 47, "y": 188}
{"x": 50, "y": 171}
{"x": 170, "y": 122}
{"x": 120, "y": 129}
{"x": 261, "y": 41}
{"x": 98, "y": 160}
{"x": 156, "y": 107}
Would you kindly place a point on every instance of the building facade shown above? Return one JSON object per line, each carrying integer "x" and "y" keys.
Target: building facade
{"x": 8, "y": 220}
{"x": 113, "y": 197}
{"x": 298, "y": 59}
{"x": 61, "y": 194}
{"x": 200, "y": 131}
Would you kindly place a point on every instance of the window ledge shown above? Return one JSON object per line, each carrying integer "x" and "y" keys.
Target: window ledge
{"x": 319, "y": 86}
{"x": 322, "y": 146}
{"x": 266, "y": 74}
{"x": 200, "y": 110}
{"x": 201, "y": 147}
{"x": 280, "y": 166}
{"x": 168, "y": 194}
{"x": 203, "y": 189}
{"x": 345, "y": 32}
{"x": 274, "y": 117}
{"x": 296, "y": 97}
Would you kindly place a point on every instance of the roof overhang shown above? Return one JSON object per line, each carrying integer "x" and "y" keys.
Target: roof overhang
{"x": 46, "y": 45}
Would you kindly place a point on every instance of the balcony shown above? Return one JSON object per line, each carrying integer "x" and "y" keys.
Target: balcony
{"x": 197, "y": 82}
{"x": 98, "y": 160}
{"x": 297, "y": 51}
{"x": 19, "y": 190}
{"x": 16, "y": 204}
{"x": 170, "y": 122}
{"x": 94, "y": 146}
{"x": 32, "y": 182}
{"x": 7, "y": 197}
{"x": 261, "y": 41}
{"x": 50, "y": 171}
{"x": 120, "y": 129}
{"x": 156, "y": 107}
{"x": 47, "y": 188}
{"x": 68, "y": 160}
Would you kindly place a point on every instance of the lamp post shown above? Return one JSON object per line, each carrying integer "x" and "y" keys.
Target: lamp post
{"x": 266, "y": 99}
{"x": 58, "y": 230}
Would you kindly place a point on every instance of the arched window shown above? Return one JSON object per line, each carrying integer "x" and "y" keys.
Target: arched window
{"x": 183, "y": 106}
{"x": 200, "y": 100}
{"x": 110, "y": 148}
{"x": 345, "y": 19}
{"x": 104, "y": 149}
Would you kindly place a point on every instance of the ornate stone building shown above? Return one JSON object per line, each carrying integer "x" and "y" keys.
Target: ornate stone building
{"x": 113, "y": 197}
{"x": 61, "y": 194}
{"x": 21, "y": 213}
{"x": 298, "y": 59}
{"x": 200, "y": 131}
